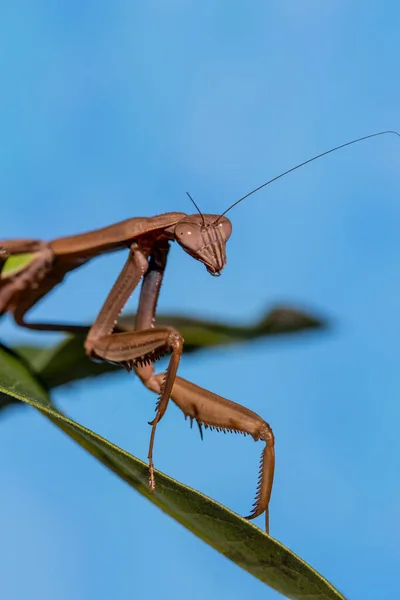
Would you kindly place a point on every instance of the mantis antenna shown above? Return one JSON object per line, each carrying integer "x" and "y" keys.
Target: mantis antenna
{"x": 366, "y": 137}
{"x": 197, "y": 208}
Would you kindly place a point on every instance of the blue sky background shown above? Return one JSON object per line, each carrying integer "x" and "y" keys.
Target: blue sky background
{"x": 112, "y": 110}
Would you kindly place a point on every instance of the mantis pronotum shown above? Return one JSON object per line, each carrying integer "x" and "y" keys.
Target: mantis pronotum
{"x": 202, "y": 236}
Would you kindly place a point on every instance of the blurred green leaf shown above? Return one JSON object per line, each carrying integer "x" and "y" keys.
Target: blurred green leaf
{"x": 16, "y": 262}
{"x": 67, "y": 361}
{"x": 234, "y": 537}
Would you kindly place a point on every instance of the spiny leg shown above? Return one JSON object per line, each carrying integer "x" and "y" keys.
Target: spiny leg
{"x": 216, "y": 412}
{"x": 149, "y": 294}
{"x": 139, "y": 348}
{"x": 175, "y": 343}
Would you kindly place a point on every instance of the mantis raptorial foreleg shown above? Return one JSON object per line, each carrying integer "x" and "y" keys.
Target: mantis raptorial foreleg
{"x": 215, "y": 412}
{"x": 146, "y": 344}
{"x": 197, "y": 403}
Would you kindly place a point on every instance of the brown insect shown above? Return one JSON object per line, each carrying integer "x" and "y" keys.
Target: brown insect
{"x": 148, "y": 239}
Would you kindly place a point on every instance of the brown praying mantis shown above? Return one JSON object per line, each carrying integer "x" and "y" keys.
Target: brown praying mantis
{"x": 202, "y": 236}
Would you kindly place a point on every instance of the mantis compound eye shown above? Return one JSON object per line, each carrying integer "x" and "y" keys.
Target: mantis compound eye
{"x": 189, "y": 237}
{"x": 225, "y": 227}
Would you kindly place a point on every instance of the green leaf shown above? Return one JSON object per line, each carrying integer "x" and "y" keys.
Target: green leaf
{"x": 68, "y": 362}
{"x": 16, "y": 263}
{"x": 234, "y": 537}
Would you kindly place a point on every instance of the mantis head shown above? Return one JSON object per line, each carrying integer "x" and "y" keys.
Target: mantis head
{"x": 204, "y": 237}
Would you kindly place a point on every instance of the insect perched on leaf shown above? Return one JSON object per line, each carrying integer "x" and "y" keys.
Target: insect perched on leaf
{"x": 24, "y": 280}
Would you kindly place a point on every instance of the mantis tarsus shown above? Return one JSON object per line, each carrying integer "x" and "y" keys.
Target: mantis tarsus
{"x": 202, "y": 236}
